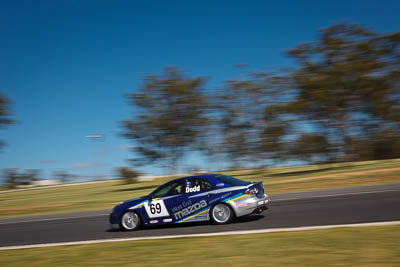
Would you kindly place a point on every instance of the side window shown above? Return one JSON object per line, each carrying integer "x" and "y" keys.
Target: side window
{"x": 170, "y": 189}
{"x": 206, "y": 186}
{"x": 197, "y": 185}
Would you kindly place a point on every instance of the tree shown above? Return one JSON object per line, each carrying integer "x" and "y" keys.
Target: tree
{"x": 4, "y": 113}
{"x": 310, "y": 147}
{"x": 10, "y": 178}
{"x": 169, "y": 117}
{"x": 348, "y": 88}
{"x": 62, "y": 176}
{"x": 251, "y": 131}
{"x": 128, "y": 175}
{"x": 341, "y": 102}
{"x": 31, "y": 175}
{"x": 14, "y": 177}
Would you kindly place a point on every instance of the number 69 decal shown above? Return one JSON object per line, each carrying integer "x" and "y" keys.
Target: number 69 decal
{"x": 156, "y": 208}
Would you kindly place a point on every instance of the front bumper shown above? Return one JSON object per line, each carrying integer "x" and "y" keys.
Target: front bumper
{"x": 114, "y": 220}
{"x": 114, "y": 226}
{"x": 250, "y": 204}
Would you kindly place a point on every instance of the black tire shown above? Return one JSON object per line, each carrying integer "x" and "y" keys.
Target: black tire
{"x": 130, "y": 221}
{"x": 221, "y": 214}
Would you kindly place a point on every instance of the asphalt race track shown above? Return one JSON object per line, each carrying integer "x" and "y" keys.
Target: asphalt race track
{"x": 327, "y": 207}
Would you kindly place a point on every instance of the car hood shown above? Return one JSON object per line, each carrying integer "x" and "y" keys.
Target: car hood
{"x": 132, "y": 202}
{"x": 128, "y": 204}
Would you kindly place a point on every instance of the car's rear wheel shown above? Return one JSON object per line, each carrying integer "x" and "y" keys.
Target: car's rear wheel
{"x": 130, "y": 221}
{"x": 221, "y": 214}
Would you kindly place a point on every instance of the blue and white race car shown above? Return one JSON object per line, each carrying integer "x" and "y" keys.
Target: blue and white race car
{"x": 214, "y": 197}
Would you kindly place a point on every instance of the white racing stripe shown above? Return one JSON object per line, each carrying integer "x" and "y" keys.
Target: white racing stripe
{"x": 244, "y": 232}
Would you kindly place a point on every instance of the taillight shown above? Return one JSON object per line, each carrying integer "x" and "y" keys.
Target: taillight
{"x": 253, "y": 191}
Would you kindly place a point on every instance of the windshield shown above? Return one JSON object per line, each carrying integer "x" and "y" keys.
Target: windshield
{"x": 230, "y": 180}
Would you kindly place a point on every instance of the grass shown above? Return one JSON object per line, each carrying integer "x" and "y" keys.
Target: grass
{"x": 324, "y": 176}
{"x": 275, "y": 180}
{"x": 369, "y": 246}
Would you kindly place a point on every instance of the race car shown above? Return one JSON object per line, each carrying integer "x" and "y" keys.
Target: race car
{"x": 214, "y": 197}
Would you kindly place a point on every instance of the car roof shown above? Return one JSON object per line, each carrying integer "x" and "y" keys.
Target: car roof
{"x": 214, "y": 179}
{"x": 201, "y": 176}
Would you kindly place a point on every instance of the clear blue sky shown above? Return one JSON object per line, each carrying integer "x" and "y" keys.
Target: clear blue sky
{"x": 67, "y": 64}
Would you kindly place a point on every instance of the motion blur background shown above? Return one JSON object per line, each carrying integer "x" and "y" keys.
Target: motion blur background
{"x": 303, "y": 96}
{"x": 175, "y": 87}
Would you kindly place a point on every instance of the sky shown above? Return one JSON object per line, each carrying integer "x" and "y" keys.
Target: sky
{"x": 67, "y": 65}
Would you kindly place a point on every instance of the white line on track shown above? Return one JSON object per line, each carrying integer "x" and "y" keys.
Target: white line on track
{"x": 57, "y": 218}
{"x": 333, "y": 195}
{"x": 245, "y": 232}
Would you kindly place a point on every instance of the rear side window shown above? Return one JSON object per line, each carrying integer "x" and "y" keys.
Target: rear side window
{"x": 196, "y": 185}
{"x": 231, "y": 181}
{"x": 205, "y": 185}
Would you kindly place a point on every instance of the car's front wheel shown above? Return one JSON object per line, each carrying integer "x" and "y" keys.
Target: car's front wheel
{"x": 221, "y": 214}
{"x": 130, "y": 221}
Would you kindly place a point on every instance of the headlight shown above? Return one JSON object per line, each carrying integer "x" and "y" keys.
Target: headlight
{"x": 115, "y": 208}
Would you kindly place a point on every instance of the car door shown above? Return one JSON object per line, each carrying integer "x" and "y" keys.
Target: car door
{"x": 195, "y": 200}
{"x": 164, "y": 199}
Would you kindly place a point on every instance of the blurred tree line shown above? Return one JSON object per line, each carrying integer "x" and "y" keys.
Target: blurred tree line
{"x": 340, "y": 103}
{"x": 4, "y": 114}
{"x": 14, "y": 177}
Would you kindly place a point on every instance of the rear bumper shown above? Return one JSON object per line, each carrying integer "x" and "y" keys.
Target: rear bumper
{"x": 260, "y": 209}
{"x": 250, "y": 204}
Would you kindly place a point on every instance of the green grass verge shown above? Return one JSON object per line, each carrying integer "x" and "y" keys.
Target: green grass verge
{"x": 276, "y": 180}
{"x": 369, "y": 246}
